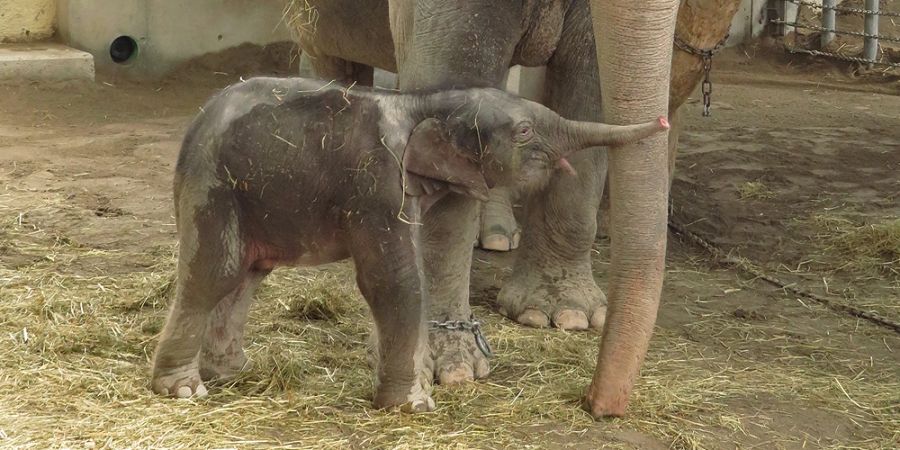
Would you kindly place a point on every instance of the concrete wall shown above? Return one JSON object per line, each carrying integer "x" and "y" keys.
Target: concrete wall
{"x": 168, "y": 32}
{"x": 26, "y": 20}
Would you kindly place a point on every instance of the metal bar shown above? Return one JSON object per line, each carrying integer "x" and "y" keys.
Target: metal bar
{"x": 850, "y": 33}
{"x": 870, "y": 45}
{"x": 843, "y": 9}
{"x": 828, "y": 22}
{"x": 775, "y": 8}
{"x": 837, "y": 56}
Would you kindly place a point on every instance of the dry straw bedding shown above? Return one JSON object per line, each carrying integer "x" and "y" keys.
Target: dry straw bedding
{"x": 77, "y": 335}
{"x": 77, "y": 330}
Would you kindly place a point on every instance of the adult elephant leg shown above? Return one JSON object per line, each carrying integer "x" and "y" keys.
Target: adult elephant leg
{"x": 634, "y": 44}
{"x": 441, "y": 45}
{"x": 701, "y": 24}
{"x": 674, "y": 132}
{"x": 341, "y": 70}
{"x": 552, "y": 280}
{"x": 447, "y": 233}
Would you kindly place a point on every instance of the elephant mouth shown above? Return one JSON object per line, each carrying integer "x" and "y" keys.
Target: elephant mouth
{"x": 564, "y": 165}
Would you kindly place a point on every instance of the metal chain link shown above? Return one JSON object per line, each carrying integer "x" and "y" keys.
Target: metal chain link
{"x": 472, "y": 325}
{"x": 846, "y": 10}
{"x": 706, "y": 56}
{"x": 681, "y": 44}
{"x": 706, "y": 86}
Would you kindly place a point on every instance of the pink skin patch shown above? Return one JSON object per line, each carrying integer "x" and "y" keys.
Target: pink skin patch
{"x": 663, "y": 122}
{"x": 563, "y": 164}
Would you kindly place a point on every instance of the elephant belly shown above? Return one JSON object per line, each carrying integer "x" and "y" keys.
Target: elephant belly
{"x": 263, "y": 256}
{"x": 543, "y": 29}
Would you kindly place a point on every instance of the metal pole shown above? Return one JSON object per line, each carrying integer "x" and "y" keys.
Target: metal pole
{"x": 775, "y": 10}
{"x": 828, "y": 21}
{"x": 870, "y": 46}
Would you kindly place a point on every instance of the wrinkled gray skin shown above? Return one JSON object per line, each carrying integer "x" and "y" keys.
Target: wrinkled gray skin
{"x": 444, "y": 44}
{"x": 299, "y": 172}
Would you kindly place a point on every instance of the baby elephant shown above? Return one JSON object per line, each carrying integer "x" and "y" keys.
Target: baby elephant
{"x": 298, "y": 172}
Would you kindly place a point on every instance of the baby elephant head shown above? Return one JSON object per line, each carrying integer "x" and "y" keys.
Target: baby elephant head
{"x": 475, "y": 139}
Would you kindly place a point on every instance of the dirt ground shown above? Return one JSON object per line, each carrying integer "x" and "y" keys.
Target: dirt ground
{"x": 797, "y": 158}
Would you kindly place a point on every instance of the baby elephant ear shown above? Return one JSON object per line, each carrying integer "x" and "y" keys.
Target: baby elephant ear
{"x": 434, "y": 158}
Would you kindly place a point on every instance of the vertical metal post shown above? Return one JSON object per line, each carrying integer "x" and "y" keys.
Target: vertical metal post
{"x": 870, "y": 46}
{"x": 775, "y": 11}
{"x": 828, "y": 21}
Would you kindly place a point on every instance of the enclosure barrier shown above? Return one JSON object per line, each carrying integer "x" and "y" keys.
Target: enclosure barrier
{"x": 829, "y": 30}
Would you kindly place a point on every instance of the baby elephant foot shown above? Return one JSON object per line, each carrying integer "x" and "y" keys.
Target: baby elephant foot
{"x": 222, "y": 367}
{"x": 569, "y": 300}
{"x": 413, "y": 399}
{"x": 183, "y": 382}
{"x": 457, "y": 358}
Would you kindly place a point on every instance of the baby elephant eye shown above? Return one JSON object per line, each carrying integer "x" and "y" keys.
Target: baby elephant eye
{"x": 523, "y": 131}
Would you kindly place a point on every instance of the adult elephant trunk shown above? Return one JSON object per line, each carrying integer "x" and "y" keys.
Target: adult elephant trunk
{"x": 634, "y": 48}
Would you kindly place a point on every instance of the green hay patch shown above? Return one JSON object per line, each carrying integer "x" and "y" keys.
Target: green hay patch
{"x": 755, "y": 190}
{"x": 864, "y": 247}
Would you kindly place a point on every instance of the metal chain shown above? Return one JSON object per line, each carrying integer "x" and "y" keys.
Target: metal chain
{"x": 706, "y": 56}
{"x": 851, "y": 33}
{"x": 847, "y": 10}
{"x": 681, "y": 44}
{"x": 745, "y": 265}
{"x": 706, "y": 86}
{"x": 472, "y": 325}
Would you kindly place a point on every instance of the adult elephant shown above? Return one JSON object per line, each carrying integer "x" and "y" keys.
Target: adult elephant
{"x": 435, "y": 44}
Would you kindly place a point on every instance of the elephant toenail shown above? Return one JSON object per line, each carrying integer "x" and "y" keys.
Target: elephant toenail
{"x": 571, "y": 320}
{"x": 482, "y": 368}
{"x": 183, "y": 392}
{"x": 516, "y": 238}
{"x": 456, "y": 375}
{"x": 534, "y": 318}
{"x": 495, "y": 242}
{"x": 598, "y": 319}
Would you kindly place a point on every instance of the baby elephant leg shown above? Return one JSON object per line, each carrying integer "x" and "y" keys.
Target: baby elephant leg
{"x": 388, "y": 278}
{"x": 209, "y": 269}
{"x": 222, "y": 355}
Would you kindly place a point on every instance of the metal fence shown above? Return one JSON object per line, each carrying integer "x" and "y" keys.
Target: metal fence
{"x": 828, "y": 29}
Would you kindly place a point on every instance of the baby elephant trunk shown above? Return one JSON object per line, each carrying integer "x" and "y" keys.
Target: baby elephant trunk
{"x": 590, "y": 134}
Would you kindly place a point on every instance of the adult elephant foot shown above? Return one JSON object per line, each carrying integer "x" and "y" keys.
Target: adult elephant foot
{"x": 541, "y": 295}
{"x": 456, "y": 356}
{"x": 448, "y": 229}
{"x": 499, "y": 231}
